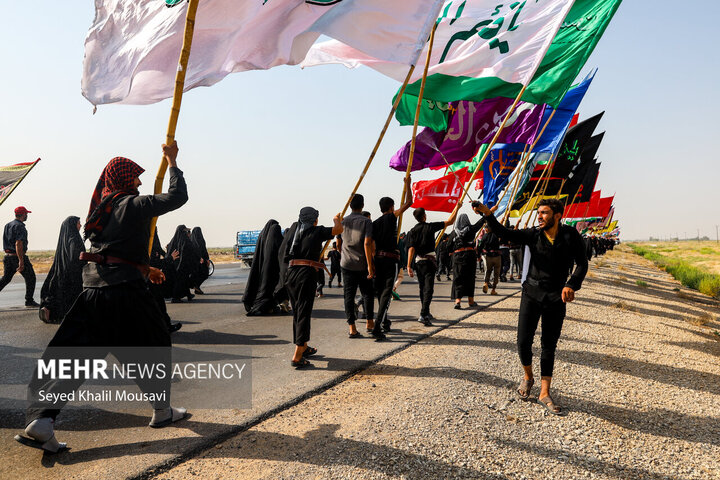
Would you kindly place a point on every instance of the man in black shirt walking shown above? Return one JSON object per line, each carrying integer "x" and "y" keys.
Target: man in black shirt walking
{"x": 15, "y": 242}
{"x": 421, "y": 251}
{"x": 387, "y": 257}
{"x": 553, "y": 249}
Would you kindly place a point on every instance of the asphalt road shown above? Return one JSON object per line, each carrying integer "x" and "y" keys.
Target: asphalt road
{"x": 116, "y": 443}
{"x": 13, "y": 295}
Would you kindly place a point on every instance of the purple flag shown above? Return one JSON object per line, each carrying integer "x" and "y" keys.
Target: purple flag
{"x": 472, "y": 125}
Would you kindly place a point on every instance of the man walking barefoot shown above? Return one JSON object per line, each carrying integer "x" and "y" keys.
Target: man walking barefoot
{"x": 546, "y": 291}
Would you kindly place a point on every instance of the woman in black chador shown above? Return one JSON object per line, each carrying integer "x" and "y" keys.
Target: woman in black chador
{"x": 302, "y": 254}
{"x": 259, "y": 297}
{"x": 461, "y": 244}
{"x": 162, "y": 261}
{"x": 64, "y": 280}
{"x": 202, "y": 271}
{"x": 185, "y": 264}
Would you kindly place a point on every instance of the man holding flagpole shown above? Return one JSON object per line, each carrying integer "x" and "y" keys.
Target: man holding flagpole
{"x": 546, "y": 291}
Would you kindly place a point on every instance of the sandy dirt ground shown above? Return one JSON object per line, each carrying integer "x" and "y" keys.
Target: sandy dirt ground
{"x": 637, "y": 369}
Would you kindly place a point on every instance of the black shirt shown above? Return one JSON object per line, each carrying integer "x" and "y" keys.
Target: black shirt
{"x": 489, "y": 243}
{"x": 310, "y": 245}
{"x": 334, "y": 257}
{"x": 127, "y": 234}
{"x": 422, "y": 237}
{"x": 385, "y": 233}
{"x": 550, "y": 263}
{"x": 13, "y": 232}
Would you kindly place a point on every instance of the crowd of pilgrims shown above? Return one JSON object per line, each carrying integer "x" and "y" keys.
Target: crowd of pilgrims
{"x": 184, "y": 262}
{"x": 273, "y": 288}
{"x": 367, "y": 255}
{"x": 114, "y": 294}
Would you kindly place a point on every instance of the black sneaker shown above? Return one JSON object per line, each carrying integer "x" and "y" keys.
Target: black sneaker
{"x": 31, "y": 303}
{"x": 379, "y": 336}
{"x": 425, "y": 321}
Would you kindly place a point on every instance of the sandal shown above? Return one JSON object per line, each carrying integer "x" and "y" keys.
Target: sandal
{"x": 550, "y": 406}
{"x": 309, "y": 352}
{"x": 301, "y": 364}
{"x": 524, "y": 389}
{"x": 355, "y": 335}
{"x": 473, "y": 305}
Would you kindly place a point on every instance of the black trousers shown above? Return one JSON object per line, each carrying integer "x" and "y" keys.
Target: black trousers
{"x": 426, "y": 270}
{"x": 353, "y": 281}
{"x": 553, "y": 314}
{"x": 10, "y": 263}
{"x": 335, "y": 273}
{"x": 124, "y": 315}
{"x": 301, "y": 285}
{"x": 386, "y": 270}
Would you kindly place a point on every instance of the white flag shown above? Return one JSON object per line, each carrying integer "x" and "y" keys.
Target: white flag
{"x": 474, "y": 39}
{"x": 132, "y": 48}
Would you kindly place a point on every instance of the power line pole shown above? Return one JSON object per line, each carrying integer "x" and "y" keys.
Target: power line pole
{"x": 717, "y": 237}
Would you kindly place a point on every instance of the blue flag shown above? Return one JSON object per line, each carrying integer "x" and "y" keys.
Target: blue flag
{"x": 555, "y": 131}
{"x": 497, "y": 168}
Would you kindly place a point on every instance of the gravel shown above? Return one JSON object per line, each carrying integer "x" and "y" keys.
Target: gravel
{"x": 636, "y": 369}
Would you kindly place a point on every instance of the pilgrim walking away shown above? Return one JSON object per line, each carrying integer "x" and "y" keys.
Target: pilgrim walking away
{"x": 421, "y": 252}
{"x": 356, "y": 261}
{"x": 302, "y": 254}
{"x": 387, "y": 257}
{"x": 64, "y": 280}
{"x": 464, "y": 259}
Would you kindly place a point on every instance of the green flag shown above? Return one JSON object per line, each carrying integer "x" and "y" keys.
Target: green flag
{"x": 572, "y": 45}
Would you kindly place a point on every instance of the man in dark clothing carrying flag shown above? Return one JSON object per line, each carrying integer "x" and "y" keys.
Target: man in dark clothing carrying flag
{"x": 116, "y": 309}
{"x": 421, "y": 252}
{"x": 553, "y": 250}
{"x": 387, "y": 257}
{"x": 301, "y": 252}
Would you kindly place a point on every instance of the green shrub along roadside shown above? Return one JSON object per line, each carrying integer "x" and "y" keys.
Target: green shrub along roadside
{"x": 687, "y": 274}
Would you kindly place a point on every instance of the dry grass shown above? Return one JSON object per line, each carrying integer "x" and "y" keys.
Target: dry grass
{"x": 702, "y": 319}
{"x": 625, "y": 306}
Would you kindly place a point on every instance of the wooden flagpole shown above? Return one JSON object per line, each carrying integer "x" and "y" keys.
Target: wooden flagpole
{"x": 417, "y": 120}
{"x": 177, "y": 101}
{"x": 512, "y": 185}
{"x": 18, "y": 182}
{"x": 487, "y": 152}
{"x": 540, "y": 181}
{"x": 375, "y": 149}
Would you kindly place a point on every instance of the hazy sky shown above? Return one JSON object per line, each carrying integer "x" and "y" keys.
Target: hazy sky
{"x": 263, "y": 144}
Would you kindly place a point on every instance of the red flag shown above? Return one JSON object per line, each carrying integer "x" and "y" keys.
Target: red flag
{"x": 596, "y": 207}
{"x": 574, "y": 120}
{"x": 441, "y": 194}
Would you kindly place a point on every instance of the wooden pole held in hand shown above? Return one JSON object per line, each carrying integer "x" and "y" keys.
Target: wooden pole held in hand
{"x": 177, "y": 101}
{"x": 482, "y": 160}
{"x": 417, "y": 120}
{"x": 375, "y": 149}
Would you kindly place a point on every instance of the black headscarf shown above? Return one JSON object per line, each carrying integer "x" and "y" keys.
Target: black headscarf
{"x": 306, "y": 219}
{"x": 199, "y": 241}
{"x": 64, "y": 280}
{"x": 265, "y": 271}
{"x": 189, "y": 257}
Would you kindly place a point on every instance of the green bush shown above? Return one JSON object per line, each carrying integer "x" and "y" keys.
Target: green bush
{"x": 689, "y": 275}
{"x": 640, "y": 283}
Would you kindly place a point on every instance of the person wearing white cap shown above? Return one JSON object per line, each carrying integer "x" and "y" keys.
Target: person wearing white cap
{"x": 15, "y": 242}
